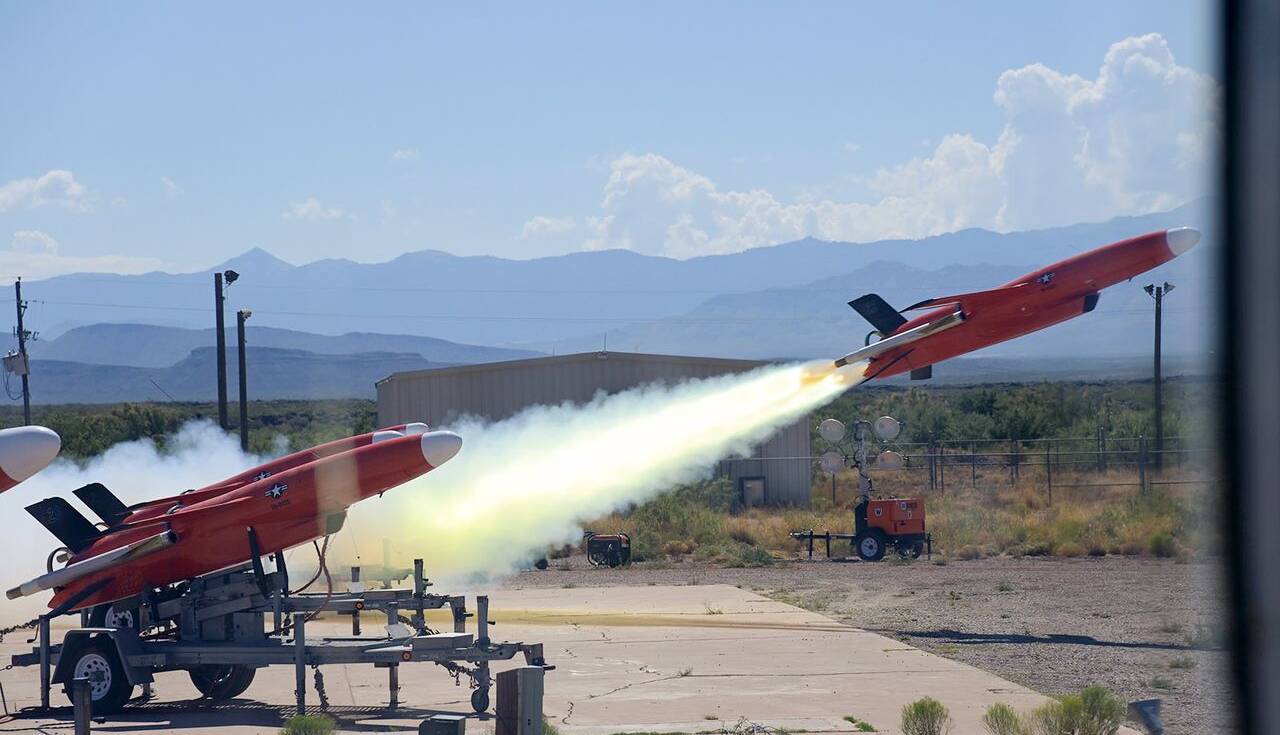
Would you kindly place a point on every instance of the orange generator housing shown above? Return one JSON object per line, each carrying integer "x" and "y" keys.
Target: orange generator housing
{"x": 882, "y": 523}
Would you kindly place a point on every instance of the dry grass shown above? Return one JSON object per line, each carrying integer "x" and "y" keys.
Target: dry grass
{"x": 1103, "y": 514}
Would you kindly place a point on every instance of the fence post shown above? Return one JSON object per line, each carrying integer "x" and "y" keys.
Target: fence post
{"x": 942, "y": 467}
{"x": 1048, "y": 469}
{"x": 973, "y": 464}
{"x": 933, "y": 464}
{"x": 1142, "y": 464}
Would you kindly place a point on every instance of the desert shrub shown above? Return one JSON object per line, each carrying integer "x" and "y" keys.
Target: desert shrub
{"x": 309, "y": 725}
{"x": 1001, "y": 719}
{"x": 969, "y": 552}
{"x": 751, "y": 556}
{"x": 1162, "y": 544}
{"x": 1094, "y": 711}
{"x": 1070, "y": 550}
{"x": 925, "y": 716}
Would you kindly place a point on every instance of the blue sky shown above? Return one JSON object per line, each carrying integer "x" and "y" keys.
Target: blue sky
{"x": 146, "y": 134}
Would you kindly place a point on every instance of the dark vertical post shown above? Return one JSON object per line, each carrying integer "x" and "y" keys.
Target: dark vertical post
{"x": 81, "y": 702}
{"x": 22, "y": 352}
{"x": 45, "y": 661}
{"x": 221, "y": 357}
{"x": 1048, "y": 469}
{"x": 1142, "y": 464}
{"x": 973, "y": 465}
{"x": 242, "y": 315}
{"x": 300, "y": 661}
{"x": 1159, "y": 402}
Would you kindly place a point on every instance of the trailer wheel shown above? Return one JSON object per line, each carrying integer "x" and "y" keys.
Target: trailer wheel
{"x": 109, "y": 688}
{"x": 221, "y": 682}
{"x": 870, "y": 545}
{"x": 108, "y": 616}
{"x": 480, "y": 700}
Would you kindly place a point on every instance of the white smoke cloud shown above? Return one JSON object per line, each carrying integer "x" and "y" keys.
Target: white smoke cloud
{"x": 518, "y": 486}
{"x": 525, "y": 483}
{"x": 1137, "y": 138}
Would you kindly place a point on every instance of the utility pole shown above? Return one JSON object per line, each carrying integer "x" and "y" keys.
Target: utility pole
{"x": 241, "y": 316}
{"x": 1158, "y": 293}
{"x": 22, "y": 353}
{"x": 222, "y": 350}
{"x": 218, "y": 300}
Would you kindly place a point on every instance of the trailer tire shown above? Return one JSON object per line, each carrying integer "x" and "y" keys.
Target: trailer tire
{"x": 107, "y": 616}
{"x": 870, "y": 545}
{"x": 221, "y": 682}
{"x": 480, "y": 700}
{"x": 109, "y": 687}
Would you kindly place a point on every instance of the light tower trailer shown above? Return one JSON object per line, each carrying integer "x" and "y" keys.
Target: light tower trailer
{"x": 214, "y": 628}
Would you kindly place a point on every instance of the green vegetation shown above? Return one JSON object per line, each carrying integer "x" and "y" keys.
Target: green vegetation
{"x": 309, "y": 725}
{"x": 1094, "y": 711}
{"x": 859, "y": 725}
{"x": 1001, "y": 719}
{"x": 548, "y": 728}
{"x": 925, "y": 716}
{"x": 1028, "y": 410}
{"x": 88, "y": 430}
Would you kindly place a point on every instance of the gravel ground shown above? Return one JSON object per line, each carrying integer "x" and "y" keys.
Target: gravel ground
{"x": 1146, "y": 628}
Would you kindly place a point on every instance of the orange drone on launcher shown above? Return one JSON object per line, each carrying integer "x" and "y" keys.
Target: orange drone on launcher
{"x": 275, "y": 506}
{"x": 955, "y": 325}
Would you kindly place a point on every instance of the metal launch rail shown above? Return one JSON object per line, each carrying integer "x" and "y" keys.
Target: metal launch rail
{"x": 214, "y": 627}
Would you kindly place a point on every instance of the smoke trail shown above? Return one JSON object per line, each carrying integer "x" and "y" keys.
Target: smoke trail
{"x": 524, "y": 483}
{"x": 518, "y": 486}
{"x": 198, "y": 454}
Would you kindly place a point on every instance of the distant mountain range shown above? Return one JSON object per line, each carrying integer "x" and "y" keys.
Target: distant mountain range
{"x": 273, "y": 373}
{"x": 782, "y": 301}
{"x": 147, "y": 345}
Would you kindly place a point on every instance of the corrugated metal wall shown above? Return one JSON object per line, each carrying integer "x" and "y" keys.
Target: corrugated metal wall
{"x": 499, "y": 390}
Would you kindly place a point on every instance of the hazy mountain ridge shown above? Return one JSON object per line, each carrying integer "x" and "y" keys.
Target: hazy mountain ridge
{"x": 497, "y": 301}
{"x": 272, "y": 373}
{"x": 151, "y": 346}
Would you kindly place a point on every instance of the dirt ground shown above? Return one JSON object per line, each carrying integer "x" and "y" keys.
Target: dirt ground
{"x": 1146, "y": 628}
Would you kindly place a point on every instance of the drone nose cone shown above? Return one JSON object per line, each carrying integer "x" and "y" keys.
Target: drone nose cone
{"x": 440, "y": 446}
{"x": 26, "y": 450}
{"x": 415, "y": 428}
{"x": 1181, "y": 239}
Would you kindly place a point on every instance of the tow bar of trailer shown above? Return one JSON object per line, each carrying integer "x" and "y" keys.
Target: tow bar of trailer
{"x": 214, "y": 628}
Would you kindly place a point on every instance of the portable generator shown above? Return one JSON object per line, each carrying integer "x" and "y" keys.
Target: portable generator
{"x": 608, "y": 549}
{"x": 897, "y": 522}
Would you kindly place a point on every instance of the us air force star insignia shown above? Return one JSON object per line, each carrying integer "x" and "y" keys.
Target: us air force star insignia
{"x": 277, "y": 490}
{"x": 262, "y": 475}
{"x": 1045, "y": 278}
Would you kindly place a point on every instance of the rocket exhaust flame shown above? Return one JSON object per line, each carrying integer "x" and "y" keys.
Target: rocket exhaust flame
{"x": 525, "y": 483}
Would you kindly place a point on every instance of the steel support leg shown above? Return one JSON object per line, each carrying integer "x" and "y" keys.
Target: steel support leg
{"x": 300, "y": 661}
{"x": 482, "y": 620}
{"x": 44, "y": 662}
{"x": 393, "y": 684}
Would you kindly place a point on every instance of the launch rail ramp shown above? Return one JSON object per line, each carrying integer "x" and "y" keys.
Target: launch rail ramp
{"x": 214, "y": 627}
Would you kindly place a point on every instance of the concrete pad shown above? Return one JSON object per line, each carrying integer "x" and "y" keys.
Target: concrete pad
{"x": 657, "y": 659}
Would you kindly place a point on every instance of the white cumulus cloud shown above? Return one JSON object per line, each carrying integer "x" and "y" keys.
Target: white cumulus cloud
{"x": 171, "y": 187}
{"x": 405, "y": 154}
{"x": 57, "y": 188}
{"x": 1138, "y": 137}
{"x": 539, "y": 226}
{"x": 34, "y": 241}
{"x": 311, "y": 209}
{"x": 34, "y": 254}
